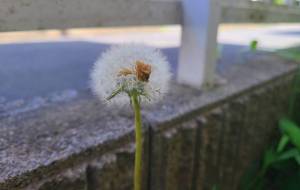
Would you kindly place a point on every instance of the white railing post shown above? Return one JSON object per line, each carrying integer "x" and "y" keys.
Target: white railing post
{"x": 198, "y": 52}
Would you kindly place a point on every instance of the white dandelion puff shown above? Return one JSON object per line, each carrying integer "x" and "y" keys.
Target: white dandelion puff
{"x": 131, "y": 67}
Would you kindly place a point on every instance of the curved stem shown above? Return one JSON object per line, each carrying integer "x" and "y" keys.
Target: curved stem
{"x": 138, "y": 143}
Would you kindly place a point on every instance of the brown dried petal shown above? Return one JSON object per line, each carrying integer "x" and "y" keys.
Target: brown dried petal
{"x": 143, "y": 71}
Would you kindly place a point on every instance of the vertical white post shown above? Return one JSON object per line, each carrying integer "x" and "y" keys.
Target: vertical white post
{"x": 198, "y": 52}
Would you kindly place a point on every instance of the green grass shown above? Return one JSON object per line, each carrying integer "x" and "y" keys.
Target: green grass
{"x": 278, "y": 2}
{"x": 253, "y": 45}
{"x": 292, "y": 54}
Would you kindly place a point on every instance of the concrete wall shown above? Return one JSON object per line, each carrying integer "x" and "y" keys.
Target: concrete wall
{"x": 193, "y": 139}
{"x": 44, "y": 14}
{"x": 243, "y": 11}
{"x": 214, "y": 147}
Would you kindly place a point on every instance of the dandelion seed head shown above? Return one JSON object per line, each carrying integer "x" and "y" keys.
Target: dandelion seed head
{"x": 134, "y": 67}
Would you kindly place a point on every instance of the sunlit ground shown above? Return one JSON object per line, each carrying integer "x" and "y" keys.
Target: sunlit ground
{"x": 270, "y": 36}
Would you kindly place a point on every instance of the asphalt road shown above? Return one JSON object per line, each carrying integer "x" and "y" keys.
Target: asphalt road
{"x": 38, "y": 69}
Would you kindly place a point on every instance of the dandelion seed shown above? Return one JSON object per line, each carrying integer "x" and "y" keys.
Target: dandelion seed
{"x": 128, "y": 67}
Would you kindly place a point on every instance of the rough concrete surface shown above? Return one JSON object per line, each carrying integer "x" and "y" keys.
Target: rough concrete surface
{"x": 75, "y": 128}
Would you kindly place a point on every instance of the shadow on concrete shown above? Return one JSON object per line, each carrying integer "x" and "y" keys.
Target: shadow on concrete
{"x": 39, "y": 69}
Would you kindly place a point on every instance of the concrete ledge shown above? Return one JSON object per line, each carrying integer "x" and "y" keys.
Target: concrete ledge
{"x": 60, "y": 139}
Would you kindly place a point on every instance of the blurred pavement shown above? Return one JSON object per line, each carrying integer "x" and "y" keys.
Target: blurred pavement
{"x": 37, "y": 64}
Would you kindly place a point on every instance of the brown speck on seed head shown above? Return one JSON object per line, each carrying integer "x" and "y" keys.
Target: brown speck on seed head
{"x": 143, "y": 71}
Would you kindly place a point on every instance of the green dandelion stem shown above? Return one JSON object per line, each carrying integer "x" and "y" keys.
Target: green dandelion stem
{"x": 138, "y": 142}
